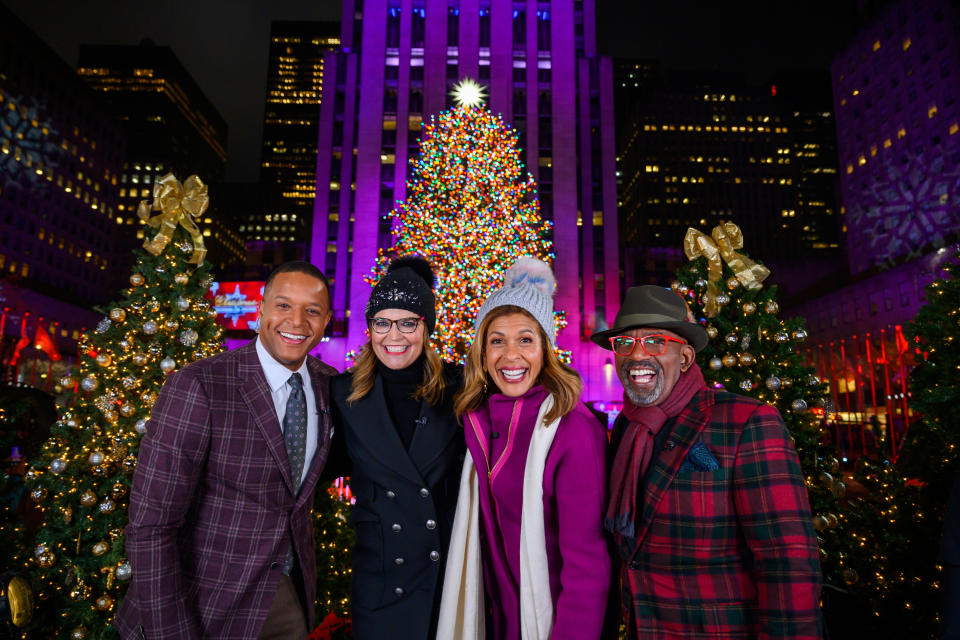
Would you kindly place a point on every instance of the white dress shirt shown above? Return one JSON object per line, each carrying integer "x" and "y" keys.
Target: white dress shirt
{"x": 277, "y": 377}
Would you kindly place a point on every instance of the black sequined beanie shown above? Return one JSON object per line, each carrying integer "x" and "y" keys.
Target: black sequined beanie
{"x": 408, "y": 285}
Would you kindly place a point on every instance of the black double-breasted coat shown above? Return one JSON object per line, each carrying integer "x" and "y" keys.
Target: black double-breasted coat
{"x": 405, "y": 504}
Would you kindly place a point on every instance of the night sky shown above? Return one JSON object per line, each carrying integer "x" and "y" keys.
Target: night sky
{"x": 224, "y": 43}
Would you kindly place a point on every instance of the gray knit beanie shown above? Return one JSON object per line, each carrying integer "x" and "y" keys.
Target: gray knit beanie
{"x": 528, "y": 284}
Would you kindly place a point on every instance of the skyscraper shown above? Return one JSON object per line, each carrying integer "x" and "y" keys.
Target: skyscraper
{"x": 60, "y": 166}
{"x": 896, "y": 89}
{"x": 288, "y": 160}
{"x": 171, "y": 127}
{"x": 397, "y": 63}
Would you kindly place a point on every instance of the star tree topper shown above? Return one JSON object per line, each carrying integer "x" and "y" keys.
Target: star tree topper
{"x": 469, "y": 93}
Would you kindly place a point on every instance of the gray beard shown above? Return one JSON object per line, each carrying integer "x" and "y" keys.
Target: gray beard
{"x": 636, "y": 397}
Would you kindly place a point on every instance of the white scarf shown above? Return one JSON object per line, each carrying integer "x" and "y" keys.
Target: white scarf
{"x": 462, "y": 610}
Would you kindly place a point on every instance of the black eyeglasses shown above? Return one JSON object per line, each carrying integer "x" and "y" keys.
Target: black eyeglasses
{"x": 652, "y": 345}
{"x": 404, "y": 325}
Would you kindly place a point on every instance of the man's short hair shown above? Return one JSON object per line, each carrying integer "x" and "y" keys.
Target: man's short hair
{"x": 299, "y": 266}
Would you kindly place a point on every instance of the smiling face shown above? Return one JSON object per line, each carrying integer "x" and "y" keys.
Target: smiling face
{"x": 513, "y": 353}
{"x": 394, "y": 349}
{"x": 649, "y": 380}
{"x": 293, "y": 316}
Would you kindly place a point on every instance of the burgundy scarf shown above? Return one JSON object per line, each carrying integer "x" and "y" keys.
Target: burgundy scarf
{"x": 636, "y": 449}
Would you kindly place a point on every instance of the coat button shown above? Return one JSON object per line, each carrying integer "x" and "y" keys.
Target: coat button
{"x": 431, "y": 524}
{"x": 396, "y": 527}
{"x": 434, "y": 555}
{"x": 275, "y": 565}
{"x": 399, "y": 561}
{"x": 391, "y": 495}
{"x": 670, "y": 445}
{"x": 424, "y": 493}
{"x": 398, "y": 591}
{"x": 635, "y": 565}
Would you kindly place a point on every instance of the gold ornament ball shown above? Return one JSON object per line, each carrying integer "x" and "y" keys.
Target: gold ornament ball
{"x": 136, "y": 279}
{"x": 107, "y": 506}
{"x": 820, "y": 523}
{"x": 729, "y": 360}
{"x": 772, "y": 307}
{"x": 96, "y": 457}
{"x": 100, "y": 548}
{"x": 716, "y": 363}
{"x": 104, "y": 603}
{"x": 79, "y": 633}
{"x": 181, "y": 278}
{"x": 104, "y": 359}
{"x": 171, "y": 325}
{"x": 833, "y": 465}
{"x": 712, "y": 332}
{"x": 746, "y": 358}
{"x": 825, "y": 479}
{"x": 732, "y": 283}
{"x": 39, "y": 494}
{"x": 787, "y": 383}
{"x": 127, "y": 410}
{"x": 88, "y": 498}
{"x": 100, "y": 471}
{"x": 111, "y": 416}
{"x": 81, "y": 592}
{"x": 46, "y": 559}
{"x": 149, "y": 398}
{"x": 67, "y": 515}
{"x": 749, "y": 308}
{"x": 118, "y": 491}
{"x": 850, "y": 575}
{"x": 67, "y": 381}
{"x": 129, "y": 464}
{"x": 832, "y": 520}
{"x": 117, "y": 314}
{"x": 140, "y": 359}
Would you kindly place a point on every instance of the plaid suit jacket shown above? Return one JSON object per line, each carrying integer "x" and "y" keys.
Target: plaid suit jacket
{"x": 729, "y": 553}
{"x": 213, "y": 507}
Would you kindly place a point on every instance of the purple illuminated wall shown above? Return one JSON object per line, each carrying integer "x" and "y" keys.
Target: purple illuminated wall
{"x": 397, "y": 63}
{"x": 896, "y": 91}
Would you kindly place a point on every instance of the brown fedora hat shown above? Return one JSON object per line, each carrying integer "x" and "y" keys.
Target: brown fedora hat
{"x": 655, "y": 307}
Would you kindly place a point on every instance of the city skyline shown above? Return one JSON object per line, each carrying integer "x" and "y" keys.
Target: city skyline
{"x": 225, "y": 52}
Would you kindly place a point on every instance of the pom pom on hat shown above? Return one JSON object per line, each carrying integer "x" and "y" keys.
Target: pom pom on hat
{"x": 529, "y": 271}
{"x": 419, "y": 265}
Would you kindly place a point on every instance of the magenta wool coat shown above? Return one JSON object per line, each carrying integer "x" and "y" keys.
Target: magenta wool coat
{"x": 212, "y": 506}
{"x": 574, "y": 493}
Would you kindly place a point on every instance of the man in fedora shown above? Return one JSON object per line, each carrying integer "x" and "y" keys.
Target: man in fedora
{"x": 708, "y": 506}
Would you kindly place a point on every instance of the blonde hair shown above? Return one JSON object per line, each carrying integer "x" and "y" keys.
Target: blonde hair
{"x": 561, "y": 381}
{"x": 365, "y": 370}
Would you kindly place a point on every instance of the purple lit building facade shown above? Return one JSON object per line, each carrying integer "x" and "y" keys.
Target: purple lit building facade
{"x": 896, "y": 87}
{"x": 397, "y": 63}
{"x": 897, "y": 103}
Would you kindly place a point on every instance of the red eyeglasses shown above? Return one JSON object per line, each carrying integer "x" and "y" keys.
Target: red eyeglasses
{"x": 652, "y": 345}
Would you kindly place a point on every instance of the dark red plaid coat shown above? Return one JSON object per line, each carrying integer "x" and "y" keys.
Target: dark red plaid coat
{"x": 212, "y": 506}
{"x": 729, "y": 553}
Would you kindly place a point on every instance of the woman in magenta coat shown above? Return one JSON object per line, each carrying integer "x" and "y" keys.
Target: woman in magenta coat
{"x": 528, "y": 557}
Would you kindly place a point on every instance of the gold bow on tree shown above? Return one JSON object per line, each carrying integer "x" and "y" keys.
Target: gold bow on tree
{"x": 178, "y": 204}
{"x": 718, "y": 249}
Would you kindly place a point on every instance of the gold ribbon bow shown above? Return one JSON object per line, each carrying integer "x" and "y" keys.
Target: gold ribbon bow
{"x": 720, "y": 248}
{"x": 178, "y": 204}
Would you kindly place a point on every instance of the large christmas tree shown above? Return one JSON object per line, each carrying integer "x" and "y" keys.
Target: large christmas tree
{"x": 753, "y": 352}
{"x": 82, "y": 478}
{"x": 471, "y": 211}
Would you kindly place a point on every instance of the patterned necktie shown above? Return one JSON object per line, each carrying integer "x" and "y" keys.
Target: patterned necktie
{"x": 295, "y": 428}
{"x": 295, "y": 437}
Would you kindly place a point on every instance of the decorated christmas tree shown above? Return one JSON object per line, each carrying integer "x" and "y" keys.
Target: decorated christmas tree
{"x": 753, "y": 352}
{"x": 82, "y": 478}
{"x": 334, "y": 540}
{"x": 471, "y": 211}
{"x": 916, "y": 487}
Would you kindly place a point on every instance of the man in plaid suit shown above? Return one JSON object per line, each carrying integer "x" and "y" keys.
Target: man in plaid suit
{"x": 220, "y": 537}
{"x": 708, "y": 506}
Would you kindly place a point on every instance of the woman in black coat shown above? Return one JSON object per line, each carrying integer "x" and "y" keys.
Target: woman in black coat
{"x": 394, "y": 421}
